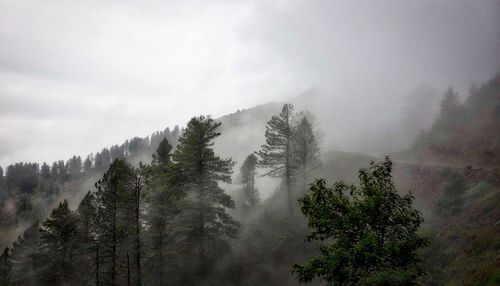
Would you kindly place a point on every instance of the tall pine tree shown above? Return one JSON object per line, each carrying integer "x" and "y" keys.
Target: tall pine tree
{"x": 203, "y": 222}
{"x": 55, "y": 260}
{"x": 305, "y": 151}
{"x": 161, "y": 210}
{"x": 247, "y": 173}
{"x": 276, "y": 154}
{"x": 113, "y": 221}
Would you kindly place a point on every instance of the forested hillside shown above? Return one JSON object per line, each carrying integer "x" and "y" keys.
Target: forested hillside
{"x": 231, "y": 201}
{"x": 465, "y": 132}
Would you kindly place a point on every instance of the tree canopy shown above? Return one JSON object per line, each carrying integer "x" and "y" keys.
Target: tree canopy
{"x": 371, "y": 230}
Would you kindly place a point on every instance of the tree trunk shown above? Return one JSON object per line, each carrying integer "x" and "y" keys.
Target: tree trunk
{"x": 128, "y": 269}
{"x": 97, "y": 265}
{"x": 138, "y": 233}
{"x": 113, "y": 247}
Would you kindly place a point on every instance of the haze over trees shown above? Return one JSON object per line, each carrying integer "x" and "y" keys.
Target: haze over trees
{"x": 248, "y": 173}
{"x": 291, "y": 151}
{"x": 168, "y": 210}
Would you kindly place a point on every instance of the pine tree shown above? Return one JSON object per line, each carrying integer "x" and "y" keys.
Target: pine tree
{"x": 203, "y": 221}
{"x": 87, "y": 231}
{"x": 136, "y": 187}
{"x": 161, "y": 209}
{"x": 305, "y": 151}
{"x": 5, "y": 266}
{"x": 449, "y": 109}
{"x": 113, "y": 221}
{"x": 247, "y": 173}
{"x": 22, "y": 271}
{"x": 74, "y": 166}
{"x": 45, "y": 171}
{"x": 58, "y": 247}
{"x": 276, "y": 154}
{"x": 87, "y": 164}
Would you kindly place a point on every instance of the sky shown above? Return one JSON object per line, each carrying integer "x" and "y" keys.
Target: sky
{"x": 77, "y": 76}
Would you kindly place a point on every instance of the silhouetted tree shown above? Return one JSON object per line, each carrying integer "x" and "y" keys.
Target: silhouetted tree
{"x": 276, "y": 154}
{"x": 23, "y": 270}
{"x": 113, "y": 221}
{"x": 5, "y": 267}
{"x": 203, "y": 222}
{"x": 247, "y": 173}
{"x": 87, "y": 164}
{"x": 55, "y": 259}
{"x": 45, "y": 171}
{"x": 305, "y": 151}
{"x": 161, "y": 208}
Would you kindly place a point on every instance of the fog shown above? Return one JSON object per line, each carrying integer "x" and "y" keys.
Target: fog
{"x": 79, "y": 76}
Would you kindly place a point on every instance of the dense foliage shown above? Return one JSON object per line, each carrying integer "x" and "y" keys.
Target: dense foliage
{"x": 372, "y": 229}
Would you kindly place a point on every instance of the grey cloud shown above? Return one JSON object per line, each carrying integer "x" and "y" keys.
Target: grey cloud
{"x": 98, "y": 72}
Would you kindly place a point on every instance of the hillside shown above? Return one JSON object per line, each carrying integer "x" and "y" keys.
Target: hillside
{"x": 465, "y": 133}
{"x": 452, "y": 170}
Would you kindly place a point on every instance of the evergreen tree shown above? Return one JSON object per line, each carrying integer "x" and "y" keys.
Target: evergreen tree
{"x": 45, "y": 171}
{"x": 372, "y": 232}
{"x": 162, "y": 156}
{"x": 113, "y": 221}
{"x": 203, "y": 222}
{"x": 276, "y": 154}
{"x": 247, "y": 173}
{"x": 87, "y": 232}
{"x": 74, "y": 166}
{"x": 305, "y": 151}
{"x": 58, "y": 247}
{"x": 23, "y": 270}
{"x": 161, "y": 209}
{"x": 5, "y": 267}
{"x": 136, "y": 187}
{"x": 87, "y": 164}
{"x": 449, "y": 109}
{"x": 102, "y": 159}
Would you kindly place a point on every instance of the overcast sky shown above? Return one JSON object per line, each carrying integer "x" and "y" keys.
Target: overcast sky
{"x": 76, "y": 76}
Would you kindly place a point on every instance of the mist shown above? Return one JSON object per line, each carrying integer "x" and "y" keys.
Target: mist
{"x": 80, "y": 76}
{"x": 130, "y": 95}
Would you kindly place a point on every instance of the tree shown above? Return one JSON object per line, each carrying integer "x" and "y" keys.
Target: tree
{"x": 248, "y": 172}
{"x": 74, "y": 166}
{"x": 161, "y": 205}
{"x": 203, "y": 222}
{"x": 449, "y": 109}
{"x": 5, "y": 266}
{"x": 305, "y": 151}
{"x": 113, "y": 220}
{"x": 276, "y": 154}
{"x": 58, "y": 246}
{"x": 372, "y": 229}
{"x": 87, "y": 232}
{"x": 102, "y": 159}
{"x": 87, "y": 164}
{"x": 45, "y": 171}
{"x": 136, "y": 185}
{"x": 22, "y": 271}
{"x": 162, "y": 156}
